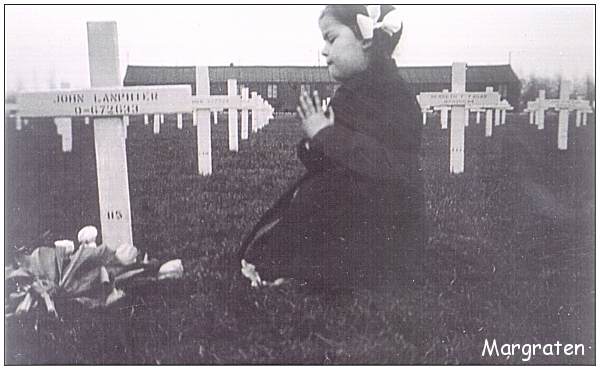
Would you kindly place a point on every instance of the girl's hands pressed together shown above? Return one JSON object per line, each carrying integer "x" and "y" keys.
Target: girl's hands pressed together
{"x": 313, "y": 117}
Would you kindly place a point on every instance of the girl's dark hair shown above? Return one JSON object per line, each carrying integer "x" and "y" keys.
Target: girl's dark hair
{"x": 383, "y": 43}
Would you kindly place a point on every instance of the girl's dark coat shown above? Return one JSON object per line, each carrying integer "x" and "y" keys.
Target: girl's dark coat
{"x": 357, "y": 213}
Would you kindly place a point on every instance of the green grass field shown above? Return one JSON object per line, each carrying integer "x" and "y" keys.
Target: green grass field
{"x": 510, "y": 253}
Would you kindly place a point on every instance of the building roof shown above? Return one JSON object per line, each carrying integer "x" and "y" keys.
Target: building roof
{"x": 484, "y": 74}
{"x": 158, "y": 75}
{"x": 271, "y": 74}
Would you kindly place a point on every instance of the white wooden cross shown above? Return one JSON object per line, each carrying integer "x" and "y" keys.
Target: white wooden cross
{"x": 476, "y": 107}
{"x": 215, "y": 103}
{"x": 460, "y": 101}
{"x": 497, "y": 116}
{"x": 531, "y": 111}
{"x": 13, "y": 112}
{"x": 582, "y": 112}
{"x": 488, "y": 122}
{"x": 265, "y": 112}
{"x": 563, "y": 105}
{"x": 478, "y": 112}
{"x": 201, "y": 119}
{"x": 540, "y": 108}
{"x": 424, "y": 112}
{"x": 245, "y": 97}
{"x": 233, "y": 115}
{"x": 204, "y": 102}
{"x": 424, "y": 109}
{"x": 443, "y": 111}
{"x": 201, "y": 105}
{"x": 255, "y": 125}
{"x": 489, "y": 109}
{"x": 443, "y": 114}
{"x": 503, "y": 107}
{"x": 108, "y": 104}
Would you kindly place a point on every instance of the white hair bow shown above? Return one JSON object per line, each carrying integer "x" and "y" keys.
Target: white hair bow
{"x": 390, "y": 24}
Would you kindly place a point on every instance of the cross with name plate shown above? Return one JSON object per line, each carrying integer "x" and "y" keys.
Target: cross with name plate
{"x": 459, "y": 101}
{"x": 109, "y": 105}
{"x": 203, "y": 102}
{"x": 563, "y": 105}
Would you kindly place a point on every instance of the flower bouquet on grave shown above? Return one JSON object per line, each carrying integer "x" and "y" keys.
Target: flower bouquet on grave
{"x": 91, "y": 275}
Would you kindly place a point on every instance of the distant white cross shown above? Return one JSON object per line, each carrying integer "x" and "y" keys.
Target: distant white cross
{"x": 261, "y": 110}
{"x": 563, "y": 105}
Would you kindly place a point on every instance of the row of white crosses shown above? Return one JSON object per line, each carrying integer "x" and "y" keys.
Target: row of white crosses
{"x": 500, "y": 111}
{"x": 444, "y": 106}
{"x": 109, "y": 105}
{"x": 459, "y": 102}
{"x": 262, "y": 111}
{"x": 204, "y": 103}
{"x": 70, "y": 100}
{"x": 563, "y": 105}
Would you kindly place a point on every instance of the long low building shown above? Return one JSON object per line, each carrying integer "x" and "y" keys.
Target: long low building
{"x": 281, "y": 85}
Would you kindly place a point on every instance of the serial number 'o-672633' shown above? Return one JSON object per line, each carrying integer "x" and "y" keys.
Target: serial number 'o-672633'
{"x": 107, "y": 110}
{"x": 104, "y": 102}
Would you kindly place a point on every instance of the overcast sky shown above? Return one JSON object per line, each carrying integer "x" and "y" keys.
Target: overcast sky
{"x": 45, "y": 43}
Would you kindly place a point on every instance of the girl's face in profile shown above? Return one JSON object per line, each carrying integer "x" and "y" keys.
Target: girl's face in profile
{"x": 344, "y": 52}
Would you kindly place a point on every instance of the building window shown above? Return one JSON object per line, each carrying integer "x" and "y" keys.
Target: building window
{"x": 218, "y": 88}
{"x": 272, "y": 91}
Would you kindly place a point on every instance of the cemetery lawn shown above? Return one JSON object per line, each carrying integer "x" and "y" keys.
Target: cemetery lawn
{"x": 509, "y": 255}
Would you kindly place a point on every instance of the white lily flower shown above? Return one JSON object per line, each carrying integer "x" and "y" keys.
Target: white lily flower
{"x": 87, "y": 236}
{"x": 25, "y": 305}
{"x": 66, "y": 244}
{"x": 171, "y": 270}
{"x": 49, "y": 304}
{"x": 126, "y": 254}
{"x": 114, "y": 296}
{"x": 277, "y": 282}
{"x": 249, "y": 271}
{"x": 104, "y": 275}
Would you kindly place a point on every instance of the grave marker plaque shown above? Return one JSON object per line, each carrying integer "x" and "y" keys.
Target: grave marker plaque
{"x": 109, "y": 141}
{"x": 232, "y": 117}
{"x": 457, "y": 118}
{"x": 202, "y": 120}
{"x": 109, "y": 104}
{"x": 459, "y": 101}
{"x": 563, "y": 105}
{"x": 563, "y": 115}
{"x": 245, "y": 93}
